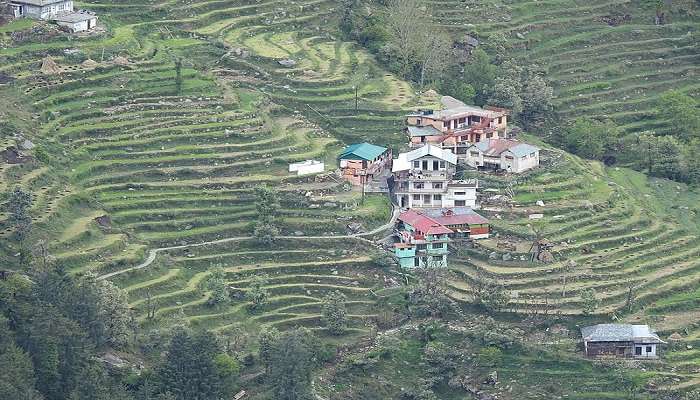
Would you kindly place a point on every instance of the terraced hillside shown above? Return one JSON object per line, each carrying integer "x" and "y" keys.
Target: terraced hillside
{"x": 605, "y": 58}
{"x": 612, "y": 230}
{"x": 130, "y": 159}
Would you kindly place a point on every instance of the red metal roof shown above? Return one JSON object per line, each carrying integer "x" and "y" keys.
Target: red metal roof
{"x": 468, "y": 219}
{"x": 423, "y": 224}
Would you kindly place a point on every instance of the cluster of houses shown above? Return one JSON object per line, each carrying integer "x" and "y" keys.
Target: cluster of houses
{"x": 438, "y": 208}
{"x": 62, "y": 12}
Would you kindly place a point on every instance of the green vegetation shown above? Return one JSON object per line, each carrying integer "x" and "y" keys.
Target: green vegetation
{"x": 185, "y": 147}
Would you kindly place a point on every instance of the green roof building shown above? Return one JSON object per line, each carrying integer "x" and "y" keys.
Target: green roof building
{"x": 362, "y": 151}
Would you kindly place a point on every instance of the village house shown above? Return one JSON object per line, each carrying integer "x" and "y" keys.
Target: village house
{"x": 424, "y": 178}
{"x": 307, "y": 167}
{"x": 464, "y": 222}
{"x": 503, "y": 155}
{"x": 422, "y": 241}
{"x": 621, "y": 341}
{"x": 60, "y": 11}
{"x": 362, "y": 162}
{"x": 457, "y": 126}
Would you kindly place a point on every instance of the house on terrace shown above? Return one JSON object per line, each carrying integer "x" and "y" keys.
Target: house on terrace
{"x": 424, "y": 178}
{"x": 59, "y": 11}
{"x": 464, "y": 222}
{"x": 503, "y": 154}
{"x": 362, "y": 162}
{"x": 456, "y": 127}
{"x": 620, "y": 341}
{"x": 422, "y": 241}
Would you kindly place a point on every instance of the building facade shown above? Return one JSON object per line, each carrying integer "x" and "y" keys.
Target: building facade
{"x": 424, "y": 178}
{"x": 456, "y": 127}
{"x": 361, "y": 162}
{"x": 620, "y": 341}
{"x": 503, "y": 155}
{"x": 60, "y": 11}
{"x": 423, "y": 243}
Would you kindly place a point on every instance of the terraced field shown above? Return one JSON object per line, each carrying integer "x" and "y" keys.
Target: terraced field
{"x": 146, "y": 164}
{"x": 614, "y": 70}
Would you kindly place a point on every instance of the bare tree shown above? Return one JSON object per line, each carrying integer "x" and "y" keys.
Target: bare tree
{"x": 405, "y": 25}
{"x": 433, "y": 50}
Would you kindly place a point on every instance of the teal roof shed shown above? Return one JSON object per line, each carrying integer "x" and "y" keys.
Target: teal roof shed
{"x": 362, "y": 151}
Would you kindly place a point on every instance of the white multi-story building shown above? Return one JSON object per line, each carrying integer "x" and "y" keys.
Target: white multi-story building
{"x": 424, "y": 178}
{"x": 503, "y": 154}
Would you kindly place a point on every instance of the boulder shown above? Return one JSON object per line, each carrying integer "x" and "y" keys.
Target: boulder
{"x": 287, "y": 62}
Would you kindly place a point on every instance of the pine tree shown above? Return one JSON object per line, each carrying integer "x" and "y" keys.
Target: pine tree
{"x": 292, "y": 361}
{"x": 18, "y": 208}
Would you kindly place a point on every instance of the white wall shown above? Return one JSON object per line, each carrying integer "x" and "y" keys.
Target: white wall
{"x": 645, "y": 353}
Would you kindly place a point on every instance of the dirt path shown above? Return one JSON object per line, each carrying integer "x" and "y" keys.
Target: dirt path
{"x": 153, "y": 253}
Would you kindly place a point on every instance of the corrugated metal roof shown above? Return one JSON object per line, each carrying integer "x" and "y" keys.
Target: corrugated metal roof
{"x": 423, "y": 224}
{"x": 619, "y": 333}
{"x": 454, "y": 216}
{"x": 427, "y": 130}
{"x": 362, "y": 151}
{"x": 494, "y": 147}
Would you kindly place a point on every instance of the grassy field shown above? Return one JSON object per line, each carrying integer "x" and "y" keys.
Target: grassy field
{"x": 599, "y": 69}
{"x": 176, "y": 167}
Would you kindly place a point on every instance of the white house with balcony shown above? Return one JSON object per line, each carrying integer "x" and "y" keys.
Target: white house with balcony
{"x": 424, "y": 178}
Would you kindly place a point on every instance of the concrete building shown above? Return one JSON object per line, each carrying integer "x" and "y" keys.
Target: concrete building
{"x": 307, "y": 167}
{"x": 457, "y": 126}
{"x": 422, "y": 241}
{"x": 620, "y": 341}
{"x": 503, "y": 154}
{"x": 361, "y": 162}
{"x": 60, "y": 11}
{"x": 464, "y": 222}
{"x": 424, "y": 178}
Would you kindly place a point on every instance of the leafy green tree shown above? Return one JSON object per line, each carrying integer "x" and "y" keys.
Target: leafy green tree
{"x": 291, "y": 363}
{"x": 591, "y": 139}
{"x": 267, "y": 203}
{"x": 189, "y": 369}
{"x": 265, "y": 232}
{"x": 459, "y": 90}
{"x": 114, "y": 313}
{"x": 480, "y": 74}
{"x": 227, "y": 369}
{"x": 266, "y": 343}
{"x": 257, "y": 293}
{"x": 178, "y": 75}
{"x": 428, "y": 297}
{"x": 17, "y": 207}
{"x": 504, "y": 93}
{"x": 537, "y": 100}
{"x": 589, "y": 301}
{"x": 493, "y": 297}
{"x": 683, "y": 110}
{"x": 216, "y": 283}
{"x": 334, "y": 312}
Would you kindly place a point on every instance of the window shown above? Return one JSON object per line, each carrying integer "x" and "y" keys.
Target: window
{"x": 419, "y": 121}
{"x": 442, "y": 164}
{"x": 425, "y": 165}
{"x": 532, "y": 155}
{"x": 416, "y": 197}
{"x": 437, "y": 185}
{"x": 446, "y": 124}
{"x": 474, "y": 153}
{"x": 435, "y": 165}
{"x": 509, "y": 158}
{"x": 418, "y": 185}
{"x": 416, "y": 262}
{"x": 416, "y": 164}
{"x": 437, "y": 197}
{"x": 438, "y": 245}
{"x": 523, "y": 157}
{"x": 648, "y": 349}
{"x": 638, "y": 351}
{"x": 460, "y": 193}
{"x": 460, "y": 203}
{"x": 422, "y": 246}
{"x": 500, "y": 119}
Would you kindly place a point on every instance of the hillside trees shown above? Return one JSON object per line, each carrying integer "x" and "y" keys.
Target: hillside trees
{"x": 17, "y": 207}
{"x": 216, "y": 283}
{"x": 334, "y": 312}
{"x": 291, "y": 360}
{"x": 189, "y": 370}
{"x": 257, "y": 292}
{"x": 16, "y": 371}
{"x": 266, "y": 205}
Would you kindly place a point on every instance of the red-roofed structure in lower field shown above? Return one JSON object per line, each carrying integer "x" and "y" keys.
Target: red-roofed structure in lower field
{"x": 424, "y": 235}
